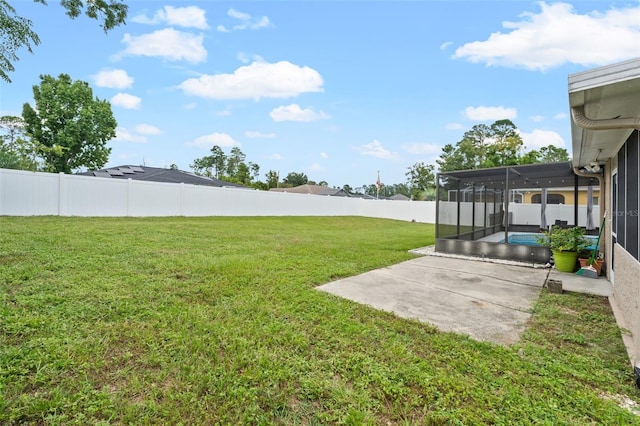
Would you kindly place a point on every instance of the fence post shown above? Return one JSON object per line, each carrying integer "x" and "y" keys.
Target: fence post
{"x": 61, "y": 194}
{"x": 129, "y": 196}
{"x": 181, "y": 211}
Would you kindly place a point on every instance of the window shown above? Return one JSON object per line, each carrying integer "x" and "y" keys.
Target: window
{"x": 626, "y": 196}
{"x": 551, "y": 199}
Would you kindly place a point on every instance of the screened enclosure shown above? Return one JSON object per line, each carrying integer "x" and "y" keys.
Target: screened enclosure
{"x": 496, "y": 212}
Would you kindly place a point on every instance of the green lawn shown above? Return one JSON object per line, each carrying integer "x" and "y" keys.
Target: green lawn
{"x": 216, "y": 321}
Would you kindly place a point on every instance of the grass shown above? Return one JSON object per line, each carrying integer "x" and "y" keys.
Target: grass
{"x": 216, "y": 321}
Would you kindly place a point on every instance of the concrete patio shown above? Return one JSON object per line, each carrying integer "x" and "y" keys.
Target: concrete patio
{"x": 484, "y": 299}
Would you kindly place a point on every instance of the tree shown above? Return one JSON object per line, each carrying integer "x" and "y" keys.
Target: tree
{"x": 15, "y": 151}
{"x": 202, "y": 166}
{"x": 272, "y": 179}
{"x": 483, "y": 146}
{"x": 218, "y": 160}
{"x": 295, "y": 179}
{"x": 236, "y": 157}
{"x": 16, "y": 31}
{"x": 553, "y": 154}
{"x": 69, "y": 126}
{"x": 420, "y": 178}
{"x": 255, "y": 170}
{"x": 243, "y": 175}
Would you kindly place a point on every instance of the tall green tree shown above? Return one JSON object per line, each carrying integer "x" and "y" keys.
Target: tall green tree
{"x": 420, "y": 178}
{"x": 16, "y": 32}
{"x": 483, "y": 146}
{"x": 218, "y": 161}
{"x": 273, "y": 178}
{"x": 16, "y": 152}
{"x": 295, "y": 179}
{"x": 235, "y": 158}
{"x": 70, "y": 127}
{"x": 553, "y": 154}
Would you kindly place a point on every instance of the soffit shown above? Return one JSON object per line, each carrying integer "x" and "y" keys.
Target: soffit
{"x": 605, "y": 93}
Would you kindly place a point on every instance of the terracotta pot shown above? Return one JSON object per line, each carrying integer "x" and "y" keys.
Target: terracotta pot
{"x": 597, "y": 264}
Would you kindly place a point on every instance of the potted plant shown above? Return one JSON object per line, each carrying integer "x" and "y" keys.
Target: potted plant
{"x": 565, "y": 244}
{"x": 586, "y": 258}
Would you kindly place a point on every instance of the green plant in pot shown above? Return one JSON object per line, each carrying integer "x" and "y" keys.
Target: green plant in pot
{"x": 565, "y": 244}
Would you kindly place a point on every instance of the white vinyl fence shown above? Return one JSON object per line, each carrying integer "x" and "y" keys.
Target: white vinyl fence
{"x": 24, "y": 193}
{"x": 520, "y": 214}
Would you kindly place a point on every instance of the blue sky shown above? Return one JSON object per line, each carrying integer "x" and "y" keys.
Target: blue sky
{"x": 337, "y": 90}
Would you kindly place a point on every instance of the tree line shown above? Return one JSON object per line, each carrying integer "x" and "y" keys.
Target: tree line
{"x": 483, "y": 146}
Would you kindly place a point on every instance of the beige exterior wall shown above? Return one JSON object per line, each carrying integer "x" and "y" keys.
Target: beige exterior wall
{"x": 626, "y": 294}
{"x": 568, "y": 195}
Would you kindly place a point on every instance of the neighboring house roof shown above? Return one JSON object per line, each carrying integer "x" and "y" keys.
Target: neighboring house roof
{"x": 313, "y": 189}
{"x": 605, "y": 110}
{"x": 157, "y": 174}
{"x": 399, "y": 197}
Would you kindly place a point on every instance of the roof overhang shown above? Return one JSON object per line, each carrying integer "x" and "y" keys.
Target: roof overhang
{"x": 605, "y": 108}
{"x": 548, "y": 175}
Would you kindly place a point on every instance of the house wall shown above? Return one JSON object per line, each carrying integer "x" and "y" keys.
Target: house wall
{"x": 624, "y": 263}
{"x": 568, "y": 195}
{"x": 626, "y": 293}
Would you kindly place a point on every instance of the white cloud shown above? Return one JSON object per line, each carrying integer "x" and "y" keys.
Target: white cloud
{"x": 558, "y": 35}
{"x": 453, "y": 126}
{"x": 275, "y": 157}
{"x": 293, "y": 112}
{"x": 125, "y": 135}
{"x": 536, "y": 118}
{"x": 375, "y": 149}
{"x": 208, "y": 141}
{"x": 252, "y": 134}
{"x": 242, "y": 57}
{"x": 245, "y": 58}
{"x": 422, "y": 148}
{"x": 126, "y": 100}
{"x": 324, "y": 155}
{"x": 239, "y": 15}
{"x": 483, "y": 113}
{"x": 258, "y": 80}
{"x": 539, "y": 138}
{"x": 247, "y": 22}
{"x": 223, "y": 113}
{"x": 190, "y": 16}
{"x": 190, "y": 106}
{"x": 169, "y": 44}
{"x": 147, "y": 129}
{"x": 113, "y": 79}
{"x": 445, "y": 45}
{"x": 561, "y": 116}
{"x": 315, "y": 167}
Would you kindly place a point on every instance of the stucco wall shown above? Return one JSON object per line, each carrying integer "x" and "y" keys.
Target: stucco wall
{"x": 626, "y": 293}
{"x": 567, "y": 194}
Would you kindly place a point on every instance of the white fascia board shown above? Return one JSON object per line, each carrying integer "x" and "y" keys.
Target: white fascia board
{"x": 604, "y": 76}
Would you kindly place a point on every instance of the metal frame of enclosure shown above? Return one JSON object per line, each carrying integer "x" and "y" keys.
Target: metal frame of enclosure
{"x": 460, "y": 224}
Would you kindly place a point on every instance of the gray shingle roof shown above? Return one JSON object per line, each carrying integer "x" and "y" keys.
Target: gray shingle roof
{"x": 157, "y": 174}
